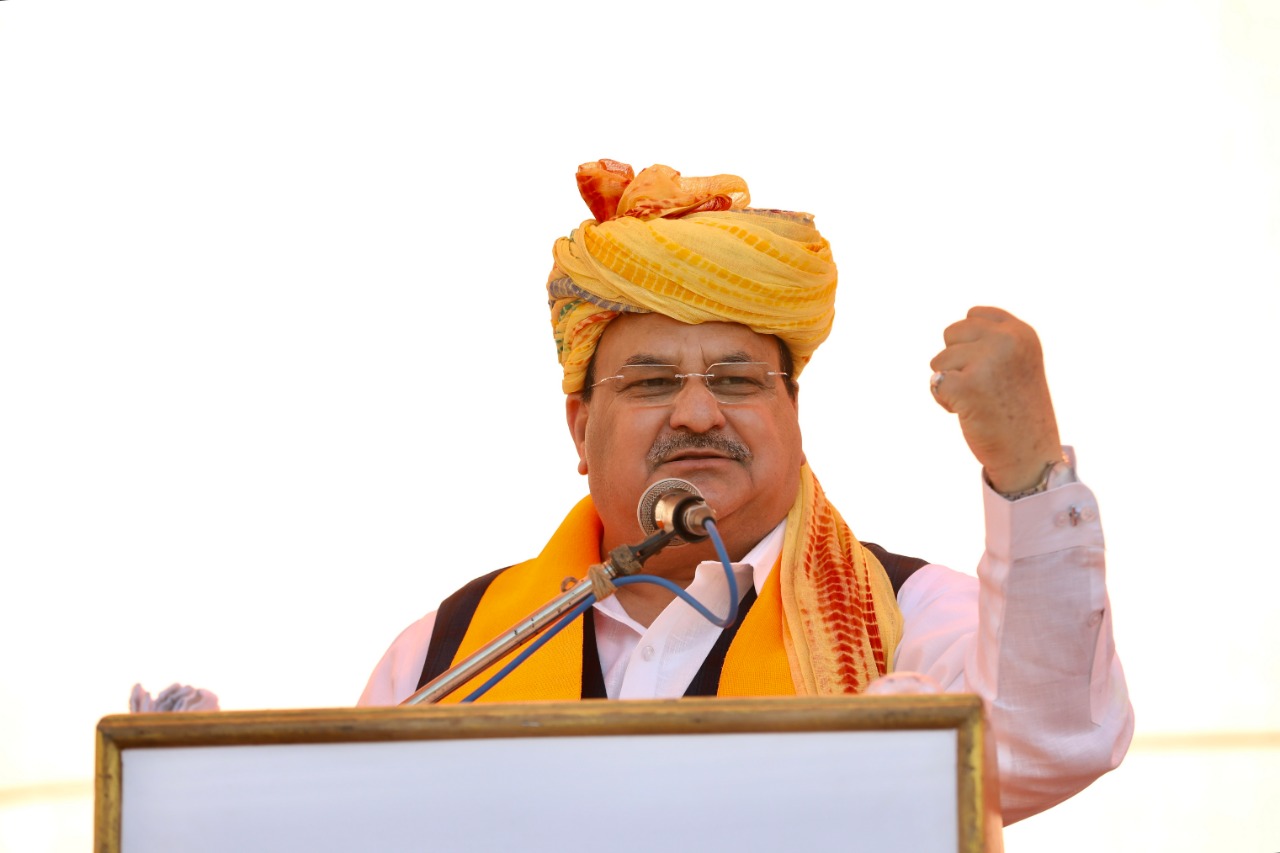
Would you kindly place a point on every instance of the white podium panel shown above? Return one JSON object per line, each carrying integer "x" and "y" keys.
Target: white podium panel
{"x": 857, "y": 774}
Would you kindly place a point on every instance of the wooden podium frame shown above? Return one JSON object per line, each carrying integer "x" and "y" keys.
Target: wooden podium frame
{"x": 176, "y": 739}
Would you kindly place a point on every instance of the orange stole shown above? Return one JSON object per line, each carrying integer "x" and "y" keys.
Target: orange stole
{"x": 756, "y": 664}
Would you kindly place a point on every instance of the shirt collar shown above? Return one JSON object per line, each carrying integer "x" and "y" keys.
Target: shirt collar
{"x": 759, "y": 559}
{"x": 765, "y": 554}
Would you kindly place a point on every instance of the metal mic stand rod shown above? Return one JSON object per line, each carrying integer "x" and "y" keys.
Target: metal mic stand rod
{"x": 623, "y": 560}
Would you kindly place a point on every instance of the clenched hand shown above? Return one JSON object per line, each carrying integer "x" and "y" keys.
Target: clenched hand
{"x": 993, "y": 380}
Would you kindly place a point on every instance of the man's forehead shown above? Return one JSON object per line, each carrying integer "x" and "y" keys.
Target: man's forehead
{"x": 709, "y": 358}
{"x": 656, "y": 339}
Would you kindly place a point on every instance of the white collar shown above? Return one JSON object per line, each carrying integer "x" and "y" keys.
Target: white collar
{"x": 765, "y": 554}
{"x": 759, "y": 560}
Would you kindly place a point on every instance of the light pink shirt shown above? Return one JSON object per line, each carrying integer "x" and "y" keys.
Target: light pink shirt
{"x": 1031, "y": 635}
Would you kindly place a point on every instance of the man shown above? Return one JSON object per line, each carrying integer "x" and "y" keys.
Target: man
{"x": 683, "y": 319}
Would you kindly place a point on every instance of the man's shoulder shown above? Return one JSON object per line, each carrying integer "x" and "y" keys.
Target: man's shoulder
{"x": 897, "y": 566}
{"x": 452, "y": 619}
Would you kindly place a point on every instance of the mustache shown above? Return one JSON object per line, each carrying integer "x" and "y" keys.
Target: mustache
{"x": 669, "y": 445}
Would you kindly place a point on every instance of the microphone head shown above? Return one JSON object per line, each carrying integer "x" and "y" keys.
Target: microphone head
{"x": 657, "y": 502}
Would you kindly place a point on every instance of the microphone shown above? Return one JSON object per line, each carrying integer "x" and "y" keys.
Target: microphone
{"x": 674, "y": 505}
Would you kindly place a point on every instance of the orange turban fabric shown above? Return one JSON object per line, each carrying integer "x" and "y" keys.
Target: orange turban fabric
{"x": 691, "y": 249}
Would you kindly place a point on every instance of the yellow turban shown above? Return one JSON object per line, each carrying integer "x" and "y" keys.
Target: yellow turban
{"x": 691, "y": 249}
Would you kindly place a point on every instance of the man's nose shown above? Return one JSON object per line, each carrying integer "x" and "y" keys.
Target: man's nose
{"x": 695, "y": 408}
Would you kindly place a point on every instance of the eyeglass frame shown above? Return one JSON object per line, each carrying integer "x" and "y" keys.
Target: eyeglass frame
{"x": 763, "y": 392}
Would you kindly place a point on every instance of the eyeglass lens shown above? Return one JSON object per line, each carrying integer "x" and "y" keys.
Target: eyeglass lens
{"x": 728, "y": 382}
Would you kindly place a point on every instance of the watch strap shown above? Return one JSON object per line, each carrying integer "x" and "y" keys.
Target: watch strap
{"x": 1057, "y": 472}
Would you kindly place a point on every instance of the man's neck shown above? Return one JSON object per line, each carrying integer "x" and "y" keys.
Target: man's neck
{"x": 678, "y": 564}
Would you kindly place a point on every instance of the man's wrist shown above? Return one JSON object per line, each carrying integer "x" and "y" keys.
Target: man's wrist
{"x": 1056, "y": 472}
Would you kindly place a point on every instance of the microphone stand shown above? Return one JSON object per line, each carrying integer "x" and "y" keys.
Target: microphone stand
{"x": 623, "y": 560}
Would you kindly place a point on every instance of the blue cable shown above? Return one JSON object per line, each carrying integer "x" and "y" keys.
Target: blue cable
{"x": 591, "y": 600}
{"x": 714, "y": 533}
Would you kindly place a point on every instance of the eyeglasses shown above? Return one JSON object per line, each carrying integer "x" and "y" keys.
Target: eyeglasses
{"x": 658, "y": 384}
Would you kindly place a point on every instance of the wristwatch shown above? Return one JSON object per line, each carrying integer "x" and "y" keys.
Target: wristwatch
{"x": 1056, "y": 473}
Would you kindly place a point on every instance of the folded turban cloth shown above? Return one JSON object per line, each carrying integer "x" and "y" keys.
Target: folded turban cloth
{"x": 691, "y": 249}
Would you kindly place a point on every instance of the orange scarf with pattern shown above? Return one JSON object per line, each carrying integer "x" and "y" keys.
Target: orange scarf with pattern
{"x": 825, "y": 623}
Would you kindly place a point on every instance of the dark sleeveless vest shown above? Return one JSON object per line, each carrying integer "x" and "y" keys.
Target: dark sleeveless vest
{"x": 454, "y": 616}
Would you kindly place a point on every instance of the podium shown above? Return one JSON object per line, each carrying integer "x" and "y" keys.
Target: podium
{"x": 873, "y": 773}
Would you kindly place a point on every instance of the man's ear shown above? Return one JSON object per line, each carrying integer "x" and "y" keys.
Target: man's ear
{"x": 795, "y": 401}
{"x": 576, "y": 412}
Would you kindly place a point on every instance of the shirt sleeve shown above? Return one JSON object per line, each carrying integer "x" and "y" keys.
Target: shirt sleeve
{"x": 395, "y": 678}
{"x": 1031, "y": 635}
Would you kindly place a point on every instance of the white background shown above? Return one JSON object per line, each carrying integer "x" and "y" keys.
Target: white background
{"x": 276, "y": 371}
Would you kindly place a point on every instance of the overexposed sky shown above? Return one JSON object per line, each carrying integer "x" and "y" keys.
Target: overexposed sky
{"x": 276, "y": 371}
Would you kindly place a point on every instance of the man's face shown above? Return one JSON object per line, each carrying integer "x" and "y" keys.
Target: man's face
{"x": 744, "y": 457}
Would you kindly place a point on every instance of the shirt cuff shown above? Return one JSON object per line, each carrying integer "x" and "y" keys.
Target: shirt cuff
{"x": 1056, "y": 519}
